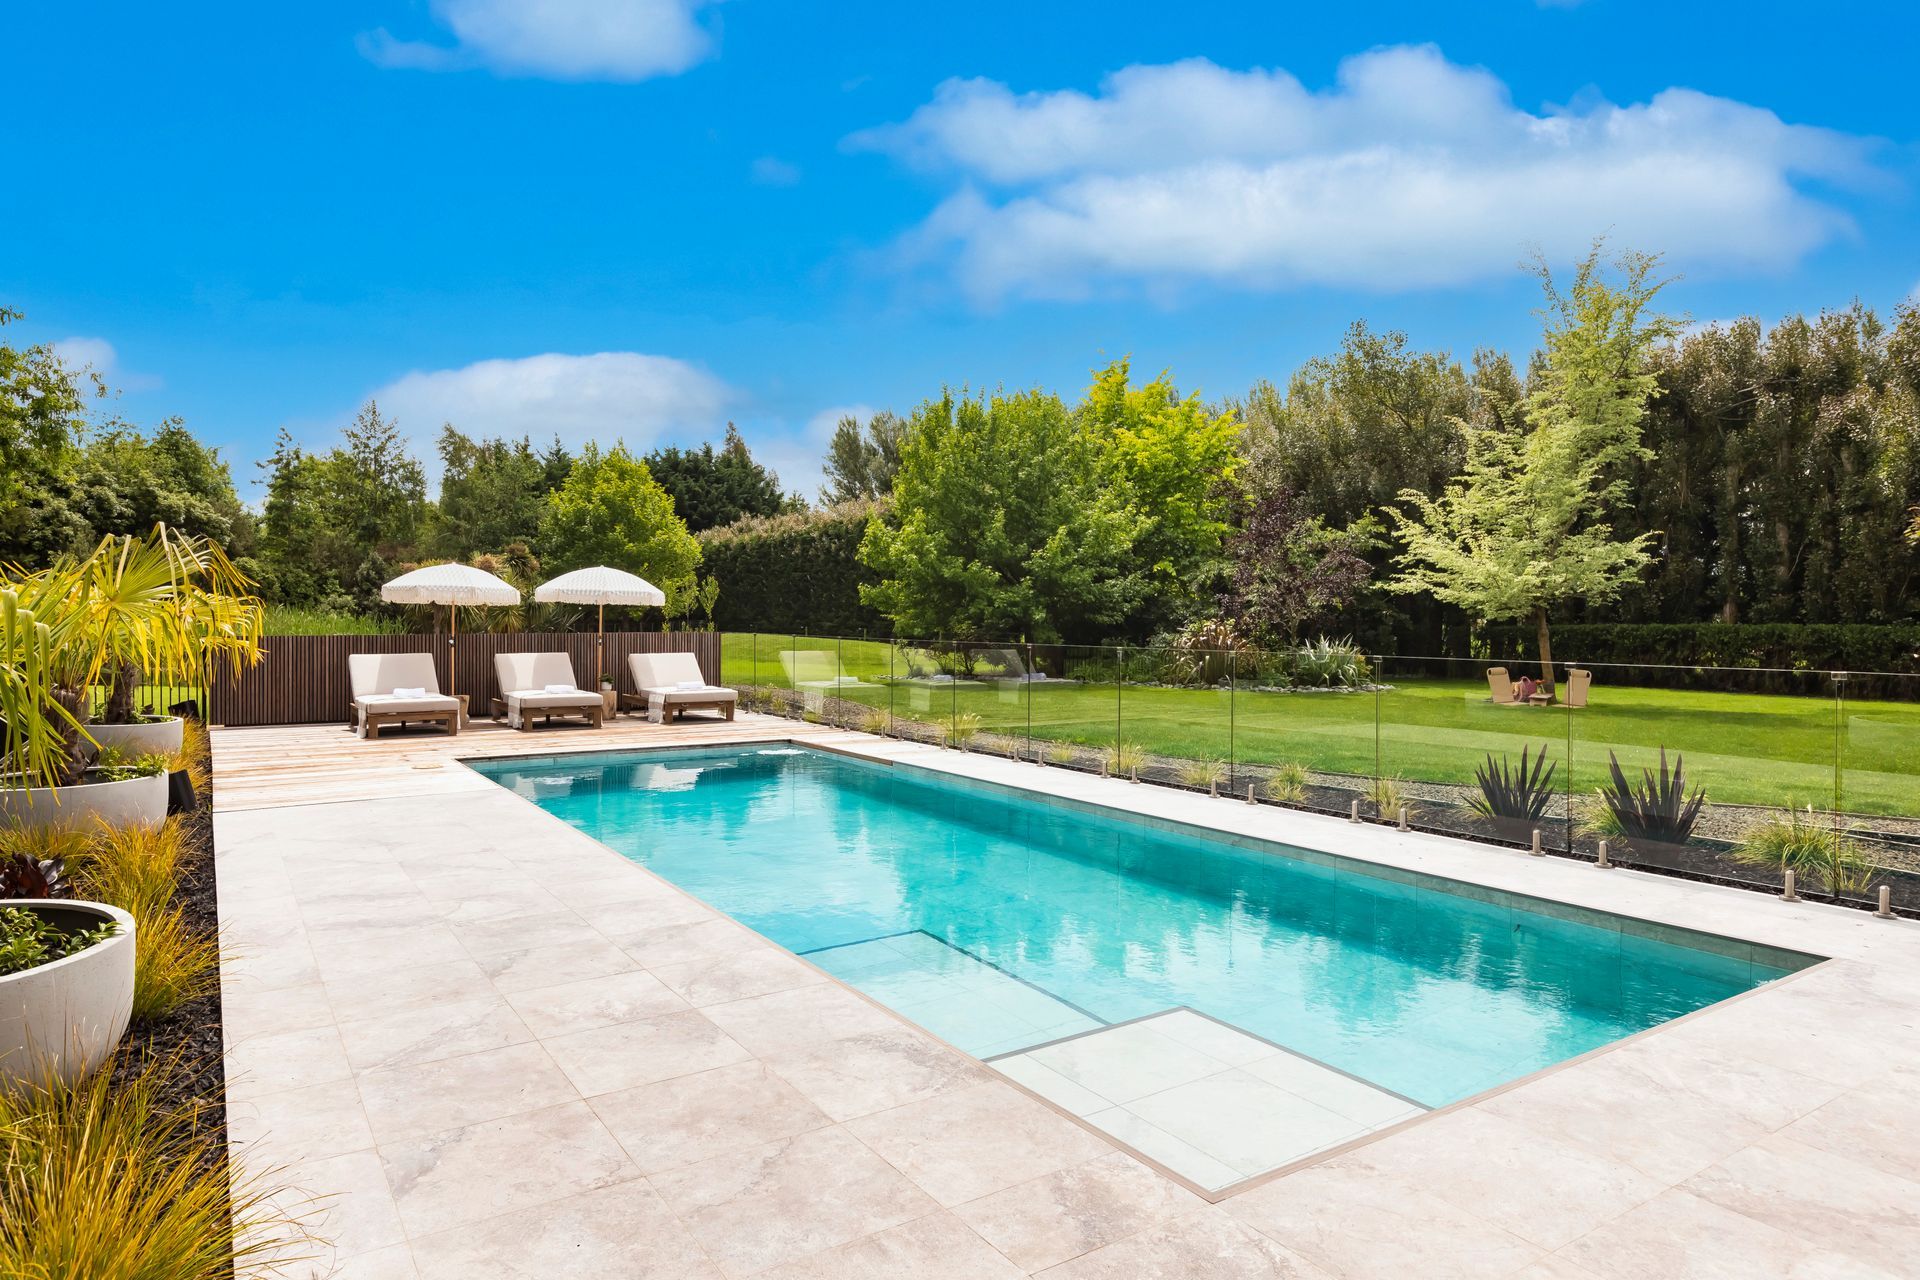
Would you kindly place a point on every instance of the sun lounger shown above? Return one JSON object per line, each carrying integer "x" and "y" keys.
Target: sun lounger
{"x": 396, "y": 688}
{"x": 817, "y": 669}
{"x": 670, "y": 684}
{"x": 1500, "y": 687}
{"x": 536, "y": 685}
{"x": 1579, "y": 680}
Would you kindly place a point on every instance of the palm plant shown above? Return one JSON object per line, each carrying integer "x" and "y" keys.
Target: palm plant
{"x": 1659, "y": 809}
{"x": 165, "y": 605}
{"x": 1508, "y": 792}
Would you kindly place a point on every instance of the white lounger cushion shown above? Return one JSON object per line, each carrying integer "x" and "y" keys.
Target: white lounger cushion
{"x": 387, "y": 704}
{"x": 664, "y": 670}
{"x": 375, "y": 673}
{"x": 523, "y": 674}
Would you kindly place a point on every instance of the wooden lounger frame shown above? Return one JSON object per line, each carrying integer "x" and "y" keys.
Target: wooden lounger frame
{"x": 673, "y": 709}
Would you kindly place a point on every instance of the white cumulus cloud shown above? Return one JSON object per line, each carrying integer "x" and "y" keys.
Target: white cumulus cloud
{"x": 97, "y": 355}
{"x": 1410, "y": 171}
{"x": 608, "y": 396}
{"x": 557, "y": 39}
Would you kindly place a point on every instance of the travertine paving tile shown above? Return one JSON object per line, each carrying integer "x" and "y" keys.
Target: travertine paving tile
{"x": 1076, "y": 1210}
{"x": 1205, "y": 1242}
{"x": 476, "y": 1174}
{"x": 972, "y": 1142}
{"x": 692, "y": 1118}
{"x": 432, "y": 1033}
{"x": 594, "y": 1002}
{"x": 1678, "y": 1236}
{"x": 298, "y": 1125}
{"x": 1350, "y": 1219}
{"x": 877, "y": 1071}
{"x": 1830, "y": 1201}
{"x": 754, "y": 1209}
{"x": 407, "y": 988}
{"x": 627, "y": 1054}
{"x": 258, "y": 1064}
{"x": 345, "y": 1203}
{"x": 801, "y": 1016}
{"x": 622, "y": 1231}
{"x": 452, "y": 1093}
{"x": 936, "y": 1247}
{"x": 590, "y": 957}
{"x": 738, "y": 975}
{"x": 267, "y": 1012}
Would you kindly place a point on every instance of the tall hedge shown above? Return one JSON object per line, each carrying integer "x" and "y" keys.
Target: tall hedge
{"x": 796, "y": 572}
{"x": 1791, "y": 646}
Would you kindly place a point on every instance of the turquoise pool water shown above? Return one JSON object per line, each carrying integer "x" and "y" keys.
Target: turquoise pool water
{"x": 1000, "y": 921}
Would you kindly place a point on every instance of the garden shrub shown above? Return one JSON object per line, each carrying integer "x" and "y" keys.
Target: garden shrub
{"x": 793, "y": 573}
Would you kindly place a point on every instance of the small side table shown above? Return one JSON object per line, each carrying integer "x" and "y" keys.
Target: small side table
{"x": 611, "y": 697}
{"x": 1541, "y": 699}
{"x": 463, "y": 708}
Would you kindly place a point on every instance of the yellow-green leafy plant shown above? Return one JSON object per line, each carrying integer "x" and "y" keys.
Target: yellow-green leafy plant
{"x": 1062, "y": 753}
{"x": 108, "y": 1181}
{"x": 135, "y": 868}
{"x": 172, "y": 964}
{"x": 195, "y": 755}
{"x": 1387, "y": 795}
{"x": 962, "y": 730}
{"x": 1813, "y": 850}
{"x": 1288, "y": 785}
{"x": 167, "y": 605}
{"x": 1202, "y": 773}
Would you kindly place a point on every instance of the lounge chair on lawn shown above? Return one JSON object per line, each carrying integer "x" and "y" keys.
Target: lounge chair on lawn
{"x": 818, "y": 669}
{"x": 1579, "y": 680}
{"x": 1500, "y": 687}
{"x": 397, "y": 688}
{"x": 541, "y": 684}
{"x": 670, "y": 684}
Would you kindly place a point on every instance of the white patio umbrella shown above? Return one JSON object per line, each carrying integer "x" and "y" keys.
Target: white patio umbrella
{"x": 451, "y": 585}
{"x": 599, "y": 586}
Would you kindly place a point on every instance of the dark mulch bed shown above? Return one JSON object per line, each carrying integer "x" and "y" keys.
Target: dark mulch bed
{"x": 190, "y": 1037}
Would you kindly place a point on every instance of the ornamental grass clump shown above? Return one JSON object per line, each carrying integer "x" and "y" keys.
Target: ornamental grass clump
{"x": 137, "y": 869}
{"x": 1202, "y": 774}
{"x": 108, "y": 1181}
{"x": 1126, "y": 759}
{"x": 1816, "y": 853}
{"x": 1288, "y": 785}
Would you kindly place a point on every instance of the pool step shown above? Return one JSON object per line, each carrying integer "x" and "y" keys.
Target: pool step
{"x": 1203, "y": 1099}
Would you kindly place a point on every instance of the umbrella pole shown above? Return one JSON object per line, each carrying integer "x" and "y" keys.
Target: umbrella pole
{"x": 453, "y": 633}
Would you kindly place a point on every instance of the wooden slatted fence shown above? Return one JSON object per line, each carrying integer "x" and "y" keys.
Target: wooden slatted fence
{"x": 303, "y": 679}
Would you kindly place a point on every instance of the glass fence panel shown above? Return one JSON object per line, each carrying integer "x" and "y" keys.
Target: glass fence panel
{"x": 737, "y": 665}
{"x": 989, "y": 687}
{"x": 922, "y": 693}
{"x": 1877, "y": 803}
{"x": 1706, "y": 759}
{"x": 1176, "y": 718}
{"x": 1466, "y": 750}
{"x": 859, "y": 686}
{"x": 1072, "y": 701}
{"x": 1298, "y": 743}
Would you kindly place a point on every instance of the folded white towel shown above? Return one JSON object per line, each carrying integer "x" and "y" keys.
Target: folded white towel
{"x": 560, "y": 688}
{"x": 408, "y": 693}
{"x": 691, "y": 686}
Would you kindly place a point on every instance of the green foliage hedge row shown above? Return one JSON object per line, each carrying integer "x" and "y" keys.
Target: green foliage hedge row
{"x": 796, "y": 572}
{"x": 1788, "y": 645}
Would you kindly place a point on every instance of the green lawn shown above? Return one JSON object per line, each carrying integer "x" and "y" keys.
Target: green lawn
{"x": 1743, "y": 748}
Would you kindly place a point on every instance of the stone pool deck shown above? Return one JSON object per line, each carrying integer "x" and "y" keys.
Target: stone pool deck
{"x": 480, "y": 1044}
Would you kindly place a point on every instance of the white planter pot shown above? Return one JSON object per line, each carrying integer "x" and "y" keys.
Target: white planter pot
{"x": 61, "y": 1020}
{"x": 141, "y": 738}
{"x": 134, "y": 802}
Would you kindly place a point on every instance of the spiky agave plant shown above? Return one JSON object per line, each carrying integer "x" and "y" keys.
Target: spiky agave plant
{"x": 1659, "y": 809}
{"x": 1509, "y": 792}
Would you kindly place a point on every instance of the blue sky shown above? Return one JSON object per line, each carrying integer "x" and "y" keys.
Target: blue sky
{"x": 642, "y": 219}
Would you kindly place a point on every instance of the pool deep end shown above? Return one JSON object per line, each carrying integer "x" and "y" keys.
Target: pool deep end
{"x": 1001, "y": 920}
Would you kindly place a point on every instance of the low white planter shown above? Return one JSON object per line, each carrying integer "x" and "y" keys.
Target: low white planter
{"x": 141, "y": 738}
{"x": 133, "y": 802}
{"x": 61, "y": 1020}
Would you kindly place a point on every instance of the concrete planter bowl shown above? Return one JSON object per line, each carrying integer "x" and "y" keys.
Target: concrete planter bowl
{"x": 159, "y": 736}
{"x": 131, "y": 802}
{"x": 61, "y": 1020}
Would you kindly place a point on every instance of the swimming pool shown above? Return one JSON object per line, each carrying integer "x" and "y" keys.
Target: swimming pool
{"x": 1002, "y": 921}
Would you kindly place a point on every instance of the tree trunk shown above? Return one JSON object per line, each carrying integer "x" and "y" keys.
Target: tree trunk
{"x": 124, "y": 684}
{"x": 73, "y": 754}
{"x": 1546, "y": 649}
